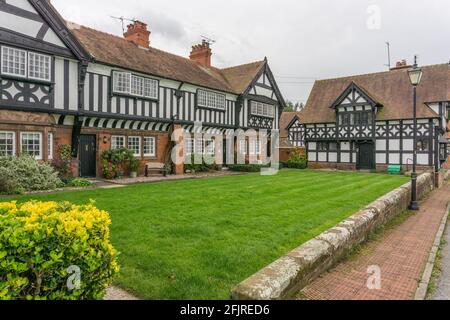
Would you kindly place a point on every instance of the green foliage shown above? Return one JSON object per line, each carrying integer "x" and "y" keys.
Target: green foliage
{"x": 79, "y": 183}
{"x": 292, "y": 107}
{"x": 247, "y": 167}
{"x": 200, "y": 167}
{"x": 24, "y": 173}
{"x": 114, "y": 162}
{"x": 62, "y": 163}
{"x": 42, "y": 242}
{"x": 134, "y": 165}
{"x": 296, "y": 161}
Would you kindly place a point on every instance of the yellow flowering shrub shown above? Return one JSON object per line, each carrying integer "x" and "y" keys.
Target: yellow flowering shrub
{"x": 55, "y": 251}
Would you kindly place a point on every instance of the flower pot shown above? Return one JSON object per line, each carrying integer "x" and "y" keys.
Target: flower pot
{"x": 133, "y": 174}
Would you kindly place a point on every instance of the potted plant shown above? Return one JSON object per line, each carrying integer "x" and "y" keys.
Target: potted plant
{"x": 134, "y": 167}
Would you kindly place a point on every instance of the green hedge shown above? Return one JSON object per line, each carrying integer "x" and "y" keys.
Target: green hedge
{"x": 247, "y": 167}
{"x": 44, "y": 246}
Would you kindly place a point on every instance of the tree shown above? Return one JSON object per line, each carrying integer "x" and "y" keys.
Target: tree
{"x": 293, "y": 107}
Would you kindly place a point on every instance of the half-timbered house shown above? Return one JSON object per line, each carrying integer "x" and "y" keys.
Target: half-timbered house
{"x": 366, "y": 121}
{"x": 62, "y": 83}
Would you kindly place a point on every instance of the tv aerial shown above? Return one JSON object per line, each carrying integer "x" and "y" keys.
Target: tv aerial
{"x": 122, "y": 19}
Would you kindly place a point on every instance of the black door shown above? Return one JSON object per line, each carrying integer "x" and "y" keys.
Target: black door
{"x": 366, "y": 156}
{"x": 87, "y": 155}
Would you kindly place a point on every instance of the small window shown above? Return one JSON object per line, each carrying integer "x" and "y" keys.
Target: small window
{"x": 151, "y": 88}
{"x": 255, "y": 147}
{"x": 208, "y": 99}
{"x": 322, "y": 146}
{"x": 117, "y": 142}
{"x": 31, "y": 143}
{"x": 134, "y": 144}
{"x": 7, "y": 144}
{"x": 262, "y": 109}
{"x": 14, "y": 62}
{"x": 149, "y": 147}
{"x": 423, "y": 145}
{"x": 333, "y": 146}
{"x": 209, "y": 147}
{"x": 137, "y": 86}
{"x": 122, "y": 82}
{"x": 50, "y": 146}
{"x": 189, "y": 145}
{"x": 39, "y": 66}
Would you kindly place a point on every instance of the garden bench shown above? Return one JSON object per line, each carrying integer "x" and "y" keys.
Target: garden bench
{"x": 155, "y": 166}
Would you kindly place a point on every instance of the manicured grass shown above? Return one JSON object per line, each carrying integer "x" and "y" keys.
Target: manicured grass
{"x": 196, "y": 239}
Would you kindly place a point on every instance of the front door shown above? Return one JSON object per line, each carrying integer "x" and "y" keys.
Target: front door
{"x": 365, "y": 156}
{"x": 87, "y": 155}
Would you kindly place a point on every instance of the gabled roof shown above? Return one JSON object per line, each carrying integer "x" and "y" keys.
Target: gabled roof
{"x": 392, "y": 89}
{"x": 354, "y": 87}
{"x": 116, "y": 51}
{"x": 286, "y": 120}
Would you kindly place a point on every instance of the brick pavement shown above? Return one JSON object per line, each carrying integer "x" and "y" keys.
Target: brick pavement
{"x": 401, "y": 253}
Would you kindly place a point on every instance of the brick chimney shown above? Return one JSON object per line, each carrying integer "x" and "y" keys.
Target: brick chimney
{"x": 201, "y": 54}
{"x": 401, "y": 65}
{"x": 138, "y": 34}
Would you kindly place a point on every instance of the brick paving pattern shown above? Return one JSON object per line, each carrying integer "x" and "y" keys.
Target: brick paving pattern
{"x": 401, "y": 254}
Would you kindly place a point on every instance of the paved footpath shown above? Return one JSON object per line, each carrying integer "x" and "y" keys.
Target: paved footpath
{"x": 400, "y": 253}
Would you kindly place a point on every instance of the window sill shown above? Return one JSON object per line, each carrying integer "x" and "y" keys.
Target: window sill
{"x": 212, "y": 109}
{"x": 124, "y": 95}
{"x": 25, "y": 79}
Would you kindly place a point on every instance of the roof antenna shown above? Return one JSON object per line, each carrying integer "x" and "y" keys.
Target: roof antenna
{"x": 389, "y": 55}
{"x": 207, "y": 40}
{"x": 122, "y": 20}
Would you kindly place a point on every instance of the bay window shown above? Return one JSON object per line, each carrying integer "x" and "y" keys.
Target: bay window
{"x": 7, "y": 143}
{"x": 31, "y": 143}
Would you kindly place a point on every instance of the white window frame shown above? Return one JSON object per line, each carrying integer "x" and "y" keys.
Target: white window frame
{"x": 255, "y": 147}
{"x": 137, "y": 86}
{"x": 50, "y": 137}
{"x": 22, "y": 134}
{"x": 189, "y": 146}
{"x": 114, "y": 146}
{"x": 139, "y": 151}
{"x": 262, "y": 109}
{"x": 209, "y": 147}
{"x": 212, "y": 100}
{"x": 151, "y": 146}
{"x": 13, "y": 142}
{"x": 44, "y": 56}
{"x": 4, "y": 48}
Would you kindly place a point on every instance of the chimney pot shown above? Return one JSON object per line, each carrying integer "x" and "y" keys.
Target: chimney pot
{"x": 138, "y": 34}
{"x": 201, "y": 54}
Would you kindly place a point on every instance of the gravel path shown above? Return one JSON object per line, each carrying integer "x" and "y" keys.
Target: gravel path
{"x": 442, "y": 291}
{"x": 114, "y": 293}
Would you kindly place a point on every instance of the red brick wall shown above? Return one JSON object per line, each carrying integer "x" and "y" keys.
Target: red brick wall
{"x": 285, "y": 153}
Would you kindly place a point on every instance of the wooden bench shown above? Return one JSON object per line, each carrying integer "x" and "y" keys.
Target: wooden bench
{"x": 154, "y": 166}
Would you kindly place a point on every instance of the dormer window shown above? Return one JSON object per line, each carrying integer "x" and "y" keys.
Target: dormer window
{"x": 130, "y": 84}
{"x": 355, "y": 118}
{"x": 24, "y": 64}
{"x": 209, "y": 99}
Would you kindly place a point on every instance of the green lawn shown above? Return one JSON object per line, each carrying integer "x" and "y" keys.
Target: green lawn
{"x": 196, "y": 239}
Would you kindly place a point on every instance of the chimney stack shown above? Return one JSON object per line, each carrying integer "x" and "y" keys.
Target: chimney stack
{"x": 138, "y": 34}
{"x": 401, "y": 65}
{"x": 201, "y": 54}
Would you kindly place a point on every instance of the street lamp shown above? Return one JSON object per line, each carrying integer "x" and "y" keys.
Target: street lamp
{"x": 415, "y": 76}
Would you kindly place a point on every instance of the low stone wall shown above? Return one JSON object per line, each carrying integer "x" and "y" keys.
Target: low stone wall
{"x": 287, "y": 276}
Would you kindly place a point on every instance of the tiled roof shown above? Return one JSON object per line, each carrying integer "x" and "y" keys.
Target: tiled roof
{"x": 116, "y": 51}
{"x": 392, "y": 89}
{"x": 285, "y": 120}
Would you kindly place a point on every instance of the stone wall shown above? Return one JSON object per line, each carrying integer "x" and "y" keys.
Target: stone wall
{"x": 291, "y": 273}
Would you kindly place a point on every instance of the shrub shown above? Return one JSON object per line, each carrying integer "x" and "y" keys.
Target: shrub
{"x": 134, "y": 165}
{"x": 247, "y": 167}
{"x": 296, "y": 161}
{"x": 62, "y": 163}
{"x": 200, "y": 167}
{"x": 44, "y": 244}
{"x": 8, "y": 182}
{"x": 80, "y": 182}
{"x": 114, "y": 162}
{"x": 27, "y": 174}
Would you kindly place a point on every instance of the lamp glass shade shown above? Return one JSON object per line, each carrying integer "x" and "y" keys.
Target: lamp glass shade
{"x": 415, "y": 76}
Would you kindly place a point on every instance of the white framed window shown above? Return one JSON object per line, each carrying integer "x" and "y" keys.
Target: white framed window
{"x": 134, "y": 144}
{"x": 262, "y": 109}
{"x": 127, "y": 83}
{"x": 255, "y": 147}
{"x": 149, "y": 147}
{"x": 208, "y": 99}
{"x": 50, "y": 146}
{"x": 122, "y": 82}
{"x": 243, "y": 147}
{"x": 7, "y": 143}
{"x": 14, "y": 62}
{"x": 31, "y": 143}
{"x": 199, "y": 146}
{"x": 117, "y": 142}
{"x": 151, "y": 88}
{"x": 137, "y": 86}
{"x": 39, "y": 66}
{"x": 189, "y": 146}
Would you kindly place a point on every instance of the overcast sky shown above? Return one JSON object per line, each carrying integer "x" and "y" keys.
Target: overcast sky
{"x": 303, "y": 40}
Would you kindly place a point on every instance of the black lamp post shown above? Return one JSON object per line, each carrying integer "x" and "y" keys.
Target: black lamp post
{"x": 415, "y": 75}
